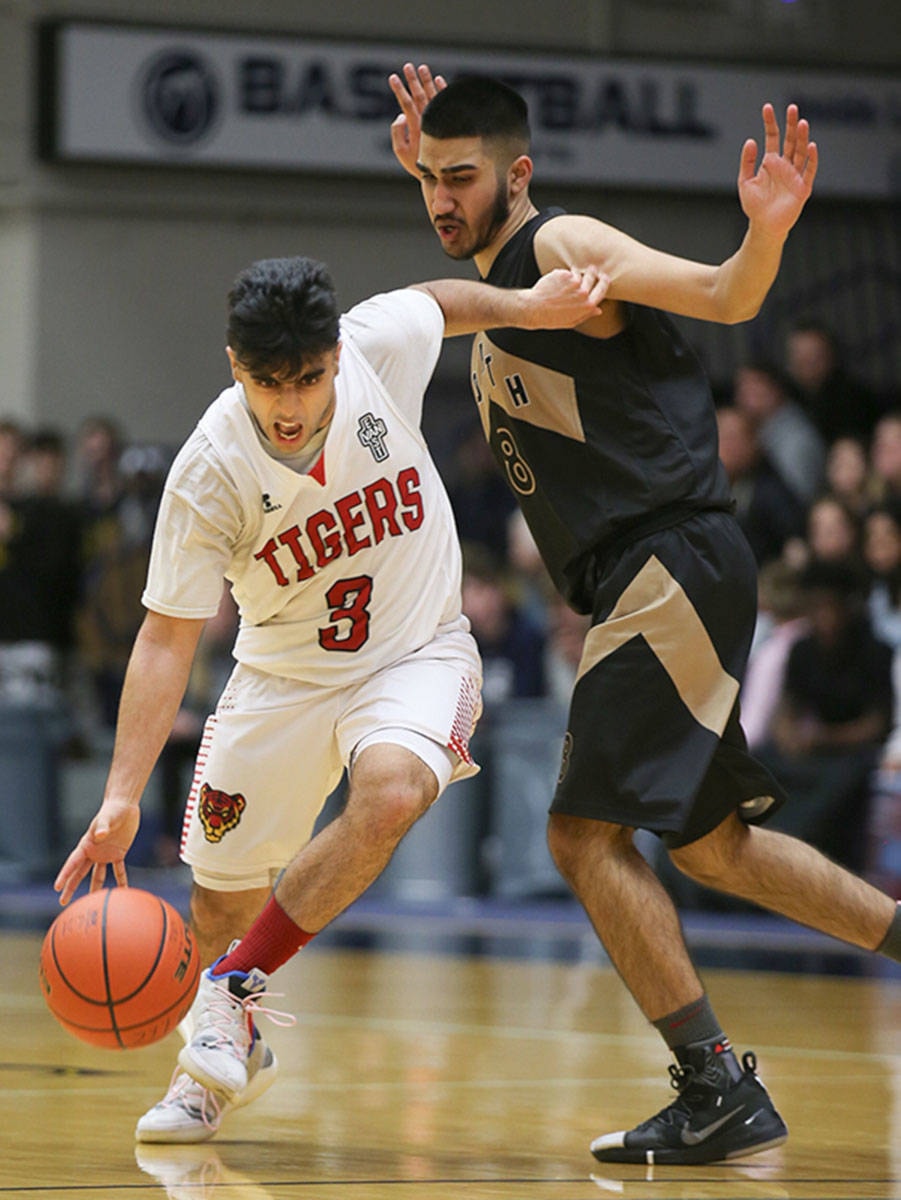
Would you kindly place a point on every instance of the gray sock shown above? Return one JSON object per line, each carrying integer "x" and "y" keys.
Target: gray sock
{"x": 890, "y": 945}
{"x": 696, "y": 1022}
{"x": 695, "y": 1037}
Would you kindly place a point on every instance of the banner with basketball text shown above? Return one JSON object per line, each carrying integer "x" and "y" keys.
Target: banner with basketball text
{"x": 129, "y": 94}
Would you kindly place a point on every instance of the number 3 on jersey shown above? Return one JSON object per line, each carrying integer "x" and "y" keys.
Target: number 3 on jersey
{"x": 349, "y": 601}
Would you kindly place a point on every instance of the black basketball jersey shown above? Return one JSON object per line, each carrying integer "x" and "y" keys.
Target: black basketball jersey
{"x": 600, "y": 439}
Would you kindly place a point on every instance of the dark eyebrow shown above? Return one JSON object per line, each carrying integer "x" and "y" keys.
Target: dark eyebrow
{"x": 453, "y": 170}
{"x": 302, "y": 376}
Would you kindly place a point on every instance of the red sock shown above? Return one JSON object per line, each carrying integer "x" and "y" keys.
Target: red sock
{"x": 272, "y": 939}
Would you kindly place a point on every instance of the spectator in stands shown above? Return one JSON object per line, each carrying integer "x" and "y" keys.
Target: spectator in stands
{"x": 98, "y": 449}
{"x": 787, "y": 436}
{"x": 54, "y": 531}
{"x": 44, "y": 464}
{"x": 117, "y": 541}
{"x": 767, "y": 509}
{"x": 479, "y": 496}
{"x": 781, "y": 622}
{"x": 33, "y": 635}
{"x": 835, "y": 713}
{"x": 11, "y": 445}
{"x": 511, "y": 644}
{"x": 882, "y": 554}
{"x": 848, "y": 474}
{"x": 885, "y": 454}
{"x": 836, "y": 402}
{"x": 39, "y": 565}
{"x": 833, "y": 534}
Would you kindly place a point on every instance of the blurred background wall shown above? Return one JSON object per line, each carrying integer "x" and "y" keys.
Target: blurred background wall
{"x": 112, "y": 277}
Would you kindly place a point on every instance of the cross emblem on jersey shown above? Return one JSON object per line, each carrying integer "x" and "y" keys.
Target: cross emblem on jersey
{"x": 371, "y": 432}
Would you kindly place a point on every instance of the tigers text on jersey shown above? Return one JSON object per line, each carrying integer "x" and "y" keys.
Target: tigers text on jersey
{"x": 339, "y": 571}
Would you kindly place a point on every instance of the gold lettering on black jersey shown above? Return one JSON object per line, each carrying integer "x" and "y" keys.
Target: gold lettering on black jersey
{"x": 524, "y": 390}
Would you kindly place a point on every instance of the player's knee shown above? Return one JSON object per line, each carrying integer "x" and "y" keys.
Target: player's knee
{"x": 395, "y": 809}
{"x": 713, "y": 858}
{"x": 389, "y": 804}
{"x": 569, "y": 839}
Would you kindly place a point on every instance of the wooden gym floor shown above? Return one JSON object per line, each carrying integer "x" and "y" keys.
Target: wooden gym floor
{"x": 417, "y": 1076}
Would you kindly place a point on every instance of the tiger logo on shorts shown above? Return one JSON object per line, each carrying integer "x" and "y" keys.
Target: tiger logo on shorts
{"x": 219, "y": 812}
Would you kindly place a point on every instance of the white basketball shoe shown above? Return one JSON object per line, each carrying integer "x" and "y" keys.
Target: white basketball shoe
{"x": 219, "y": 1050}
{"x": 189, "y": 1112}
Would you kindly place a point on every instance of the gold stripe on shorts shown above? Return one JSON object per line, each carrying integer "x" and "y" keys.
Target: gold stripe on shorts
{"x": 656, "y": 606}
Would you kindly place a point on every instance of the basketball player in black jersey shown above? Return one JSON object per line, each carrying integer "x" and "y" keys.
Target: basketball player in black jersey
{"x": 607, "y": 436}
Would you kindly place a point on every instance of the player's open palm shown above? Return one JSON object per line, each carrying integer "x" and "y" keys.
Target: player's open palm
{"x": 104, "y": 844}
{"x": 412, "y": 93}
{"x": 774, "y": 194}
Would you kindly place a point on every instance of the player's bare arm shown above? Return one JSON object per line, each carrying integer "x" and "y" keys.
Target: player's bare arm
{"x": 412, "y": 92}
{"x": 562, "y": 299}
{"x": 772, "y": 198}
{"x": 155, "y": 684}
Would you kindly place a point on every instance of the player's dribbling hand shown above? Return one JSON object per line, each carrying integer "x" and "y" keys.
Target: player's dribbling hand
{"x": 565, "y": 297}
{"x": 105, "y": 844}
{"x": 412, "y": 97}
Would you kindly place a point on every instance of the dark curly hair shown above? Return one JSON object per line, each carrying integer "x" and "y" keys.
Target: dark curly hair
{"x": 282, "y": 312}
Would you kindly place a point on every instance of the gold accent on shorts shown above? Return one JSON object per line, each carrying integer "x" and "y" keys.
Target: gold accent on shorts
{"x": 655, "y": 606}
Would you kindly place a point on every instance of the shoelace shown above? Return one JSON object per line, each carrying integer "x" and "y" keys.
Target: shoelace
{"x": 282, "y": 1019}
{"x": 678, "y": 1111}
{"x": 220, "y": 1017}
{"x": 682, "y": 1077}
{"x": 184, "y": 1091}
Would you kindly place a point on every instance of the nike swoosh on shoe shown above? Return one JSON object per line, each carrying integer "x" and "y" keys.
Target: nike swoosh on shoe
{"x": 694, "y": 1137}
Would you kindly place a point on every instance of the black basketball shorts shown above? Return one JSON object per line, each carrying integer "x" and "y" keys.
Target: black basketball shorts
{"x": 654, "y": 740}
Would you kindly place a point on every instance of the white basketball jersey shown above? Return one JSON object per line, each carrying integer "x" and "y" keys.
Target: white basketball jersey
{"x": 337, "y": 572}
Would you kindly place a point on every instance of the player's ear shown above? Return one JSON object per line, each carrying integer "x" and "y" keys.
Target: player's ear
{"x": 232, "y": 361}
{"x": 337, "y": 356}
{"x": 519, "y": 175}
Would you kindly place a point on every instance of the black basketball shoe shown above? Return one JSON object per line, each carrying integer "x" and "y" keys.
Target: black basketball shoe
{"x": 713, "y": 1118}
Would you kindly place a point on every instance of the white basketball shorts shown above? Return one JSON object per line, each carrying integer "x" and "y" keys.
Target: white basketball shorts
{"x": 276, "y": 748}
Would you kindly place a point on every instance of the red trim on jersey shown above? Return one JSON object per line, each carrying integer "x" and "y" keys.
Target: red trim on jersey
{"x": 318, "y": 469}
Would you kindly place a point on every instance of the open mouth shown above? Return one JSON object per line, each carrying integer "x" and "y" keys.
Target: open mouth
{"x": 288, "y": 433}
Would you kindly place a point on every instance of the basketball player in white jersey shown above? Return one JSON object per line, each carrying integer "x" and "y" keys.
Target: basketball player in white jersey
{"x": 308, "y": 486}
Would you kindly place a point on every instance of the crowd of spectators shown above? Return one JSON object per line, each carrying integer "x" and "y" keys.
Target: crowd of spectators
{"x": 76, "y": 522}
{"x": 814, "y": 456}
{"x": 814, "y": 459}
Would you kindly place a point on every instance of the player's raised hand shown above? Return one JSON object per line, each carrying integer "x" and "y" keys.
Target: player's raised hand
{"x": 774, "y": 194}
{"x": 104, "y": 844}
{"x": 565, "y": 297}
{"x": 412, "y": 93}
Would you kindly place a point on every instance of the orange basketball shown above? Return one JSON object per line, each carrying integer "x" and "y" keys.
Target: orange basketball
{"x": 119, "y": 968}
